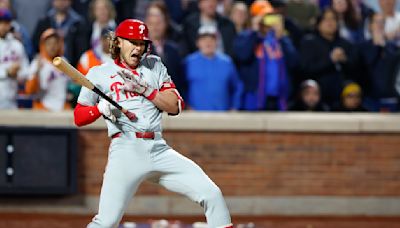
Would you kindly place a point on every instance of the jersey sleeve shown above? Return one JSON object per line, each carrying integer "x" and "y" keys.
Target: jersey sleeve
{"x": 165, "y": 81}
{"x": 87, "y": 97}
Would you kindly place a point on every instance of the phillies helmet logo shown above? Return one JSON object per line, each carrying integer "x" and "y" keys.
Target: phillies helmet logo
{"x": 141, "y": 28}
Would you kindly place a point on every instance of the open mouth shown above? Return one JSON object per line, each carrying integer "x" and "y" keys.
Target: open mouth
{"x": 135, "y": 57}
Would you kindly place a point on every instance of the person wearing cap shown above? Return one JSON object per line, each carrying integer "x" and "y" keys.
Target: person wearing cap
{"x": 18, "y": 29}
{"x": 309, "y": 98}
{"x": 351, "y": 99}
{"x": 46, "y": 83}
{"x": 14, "y": 63}
{"x": 140, "y": 83}
{"x": 208, "y": 16}
{"x": 94, "y": 56}
{"x": 69, "y": 24}
{"x": 213, "y": 82}
{"x": 265, "y": 59}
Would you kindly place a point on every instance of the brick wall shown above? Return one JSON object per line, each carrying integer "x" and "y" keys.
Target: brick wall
{"x": 270, "y": 163}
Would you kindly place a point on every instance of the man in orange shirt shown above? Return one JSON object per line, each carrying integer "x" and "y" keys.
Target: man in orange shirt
{"x": 93, "y": 58}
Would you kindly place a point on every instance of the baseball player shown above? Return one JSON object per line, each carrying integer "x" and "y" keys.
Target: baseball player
{"x": 139, "y": 82}
{"x": 14, "y": 63}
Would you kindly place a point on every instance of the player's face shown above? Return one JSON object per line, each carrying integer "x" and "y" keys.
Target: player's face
{"x": 52, "y": 46}
{"x": 5, "y": 27}
{"x": 131, "y": 51}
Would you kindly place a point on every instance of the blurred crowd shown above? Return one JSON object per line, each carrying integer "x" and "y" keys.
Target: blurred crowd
{"x": 250, "y": 55}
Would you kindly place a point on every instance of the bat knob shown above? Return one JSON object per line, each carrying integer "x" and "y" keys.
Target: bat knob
{"x": 131, "y": 116}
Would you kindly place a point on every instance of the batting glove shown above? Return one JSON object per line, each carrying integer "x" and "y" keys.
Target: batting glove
{"x": 137, "y": 84}
{"x": 104, "y": 108}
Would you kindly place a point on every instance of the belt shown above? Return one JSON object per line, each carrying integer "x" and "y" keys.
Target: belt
{"x": 139, "y": 135}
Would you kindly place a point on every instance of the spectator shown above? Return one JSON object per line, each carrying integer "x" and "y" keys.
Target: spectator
{"x": 95, "y": 57}
{"x": 351, "y": 99}
{"x": 309, "y": 98}
{"x": 380, "y": 59}
{"x": 69, "y": 24}
{"x": 19, "y": 31}
{"x": 257, "y": 10}
{"x": 392, "y": 19}
{"x": 214, "y": 84}
{"x": 303, "y": 13}
{"x": 172, "y": 30}
{"x": 328, "y": 58}
{"x": 240, "y": 17}
{"x": 350, "y": 24}
{"x": 157, "y": 20}
{"x": 46, "y": 82}
{"x": 13, "y": 63}
{"x": 293, "y": 31}
{"x": 102, "y": 14}
{"x": 265, "y": 58}
{"x": 208, "y": 16}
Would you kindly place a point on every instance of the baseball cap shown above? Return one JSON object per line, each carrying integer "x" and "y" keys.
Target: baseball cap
{"x": 309, "y": 83}
{"x": 105, "y": 31}
{"x": 351, "y": 88}
{"x": 260, "y": 7}
{"x": 5, "y": 15}
{"x": 207, "y": 30}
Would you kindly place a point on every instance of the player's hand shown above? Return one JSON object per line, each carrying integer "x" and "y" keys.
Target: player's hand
{"x": 12, "y": 71}
{"x": 135, "y": 84}
{"x": 105, "y": 108}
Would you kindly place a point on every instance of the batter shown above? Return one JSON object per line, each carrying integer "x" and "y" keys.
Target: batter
{"x": 140, "y": 83}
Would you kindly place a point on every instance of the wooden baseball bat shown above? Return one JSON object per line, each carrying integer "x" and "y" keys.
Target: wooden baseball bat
{"x": 78, "y": 78}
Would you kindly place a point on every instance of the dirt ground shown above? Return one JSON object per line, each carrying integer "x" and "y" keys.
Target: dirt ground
{"x": 18, "y": 220}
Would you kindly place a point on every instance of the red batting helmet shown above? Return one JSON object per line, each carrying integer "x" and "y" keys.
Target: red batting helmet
{"x": 133, "y": 29}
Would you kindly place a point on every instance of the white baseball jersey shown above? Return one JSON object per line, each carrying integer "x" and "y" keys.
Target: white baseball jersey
{"x": 53, "y": 85}
{"x": 106, "y": 78}
{"x": 11, "y": 51}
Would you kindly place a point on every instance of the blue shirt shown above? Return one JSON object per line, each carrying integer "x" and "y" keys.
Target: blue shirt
{"x": 214, "y": 84}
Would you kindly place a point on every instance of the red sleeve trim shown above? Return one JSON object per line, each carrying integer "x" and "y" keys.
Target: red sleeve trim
{"x": 84, "y": 115}
{"x": 152, "y": 95}
{"x": 167, "y": 85}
